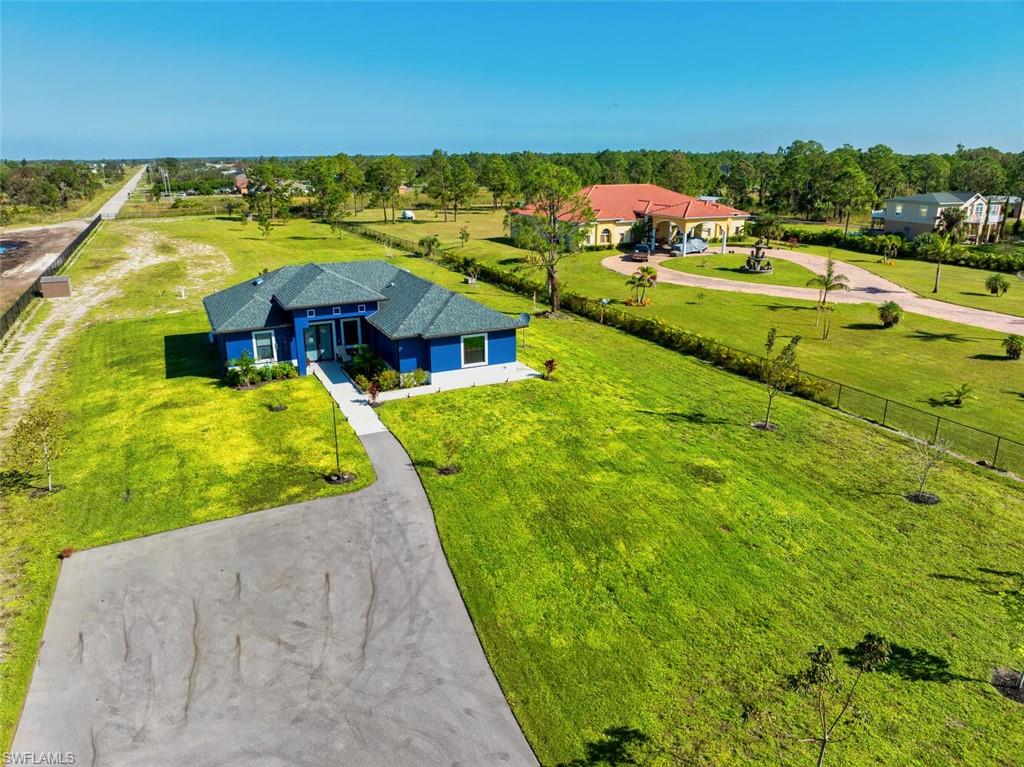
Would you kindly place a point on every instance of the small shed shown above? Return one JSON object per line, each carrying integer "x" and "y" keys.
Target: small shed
{"x": 55, "y": 286}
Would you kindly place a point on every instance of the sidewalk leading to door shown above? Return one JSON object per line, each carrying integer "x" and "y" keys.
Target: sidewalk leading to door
{"x": 354, "y": 405}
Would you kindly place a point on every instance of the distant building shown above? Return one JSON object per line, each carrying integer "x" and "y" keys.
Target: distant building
{"x": 922, "y": 213}
{"x": 242, "y": 183}
{"x": 617, "y": 207}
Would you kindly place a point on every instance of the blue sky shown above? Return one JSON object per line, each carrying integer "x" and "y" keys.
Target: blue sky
{"x": 90, "y": 80}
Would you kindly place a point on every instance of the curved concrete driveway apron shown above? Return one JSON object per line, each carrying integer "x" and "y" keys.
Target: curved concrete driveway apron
{"x": 323, "y": 633}
{"x": 865, "y": 286}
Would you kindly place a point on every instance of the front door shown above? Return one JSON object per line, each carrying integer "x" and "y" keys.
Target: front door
{"x": 319, "y": 342}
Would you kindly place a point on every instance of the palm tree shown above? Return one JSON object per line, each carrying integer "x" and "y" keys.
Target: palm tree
{"x": 828, "y": 281}
{"x": 889, "y": 246}
{"x": 952, "y": 222}
{"x": 643, "y": 278}
{"x": 430, "y": 245}
{"x": 997, "y": 285}
{"x": 942, "y": 248}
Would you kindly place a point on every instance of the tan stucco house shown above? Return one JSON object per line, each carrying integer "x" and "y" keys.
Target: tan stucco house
{"x": 618, "y": 206}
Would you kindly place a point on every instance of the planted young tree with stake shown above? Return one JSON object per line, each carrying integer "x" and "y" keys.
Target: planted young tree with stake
{"x": 778, "y": 373}
{"x": 37, "y": 441}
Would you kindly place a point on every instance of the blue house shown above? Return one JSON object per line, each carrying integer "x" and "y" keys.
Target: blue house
{"x": 316, "y": 312}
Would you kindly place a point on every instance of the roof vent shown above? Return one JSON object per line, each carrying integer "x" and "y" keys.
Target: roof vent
{"x": 258, "y": 281}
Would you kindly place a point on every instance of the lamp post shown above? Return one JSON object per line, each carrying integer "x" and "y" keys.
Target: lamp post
{"x": 604, "y": 303}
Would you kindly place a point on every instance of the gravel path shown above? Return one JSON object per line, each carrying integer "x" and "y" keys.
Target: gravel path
{"x": 865, "y": 286}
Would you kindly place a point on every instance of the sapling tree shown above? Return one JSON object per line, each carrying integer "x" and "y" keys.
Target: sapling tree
{"x": 924, "y": 459}
{"x": 463, "y": 236}
{"x": 833, "y": 700}
{"x": 430, "y": 245}
{"x": 37, "y": 441}
{"x": 266, "y": 226}
{"x": 777, "y": 372}
{"x": 451, "y": 444}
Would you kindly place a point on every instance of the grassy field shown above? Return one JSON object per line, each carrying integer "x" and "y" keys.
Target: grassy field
{"x": 923, "y": 357}
{"x": 957, "y": 284}
{"x": 632, "y": 553}
{"x": 727, "y": 267}
{"x": 78, "y": 208}
{"x": 641, "y": 565}
{"x": 155, "y": 442}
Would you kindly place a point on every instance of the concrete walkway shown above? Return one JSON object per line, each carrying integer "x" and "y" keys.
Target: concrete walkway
{"x": 355, "y": 406}
{"x": 326, "y": 632}
{"x": 865, "y": 286}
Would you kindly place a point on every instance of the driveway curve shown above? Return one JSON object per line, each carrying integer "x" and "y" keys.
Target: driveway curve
{"x": 865, "y": 286}
{"x": 326, "y": 632}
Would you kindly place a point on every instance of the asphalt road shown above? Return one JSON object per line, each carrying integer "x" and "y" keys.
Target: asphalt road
{"x": 323, "y": 633}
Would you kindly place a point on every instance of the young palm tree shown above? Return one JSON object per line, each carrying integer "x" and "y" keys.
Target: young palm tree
{"x": 643, "y": 278}
{"x": 997, "y": 284}
{"x": 952, "y": 222}
{"x": 942, "y": 248}
{"x": 827, "y": 282}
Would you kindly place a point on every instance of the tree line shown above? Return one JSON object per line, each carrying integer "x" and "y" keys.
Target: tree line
{"x": 53, "y": 185}
{"x": 803, "y": 179}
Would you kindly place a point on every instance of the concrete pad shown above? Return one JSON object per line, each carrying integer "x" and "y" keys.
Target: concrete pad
{"x": 486, "y": 375}
{"x": 323, "y": 633}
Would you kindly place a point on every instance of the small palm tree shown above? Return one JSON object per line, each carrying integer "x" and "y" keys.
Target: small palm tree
{"x": 890, "y": 313}
{"x": 889, "y": 246}
{"x": 1014, "y": 346}
{"x": 942, "y": 249}
{"x": 827, "y": 282}
{"x": 952, "y": 222}
{"x": 958, "y": 395}
{"x": 430, "y": 245}
{"x": 643, "y": 278}
{"x": 997, "y": 284}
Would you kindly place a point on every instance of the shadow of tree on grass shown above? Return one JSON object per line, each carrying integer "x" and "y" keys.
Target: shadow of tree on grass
{"x": 617, "y": 746}
{"x": 913, "y": 664}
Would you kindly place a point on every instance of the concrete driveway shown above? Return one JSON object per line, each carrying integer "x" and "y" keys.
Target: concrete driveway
{"x": 328, "y": 632}
{"x": 865, "y": 286}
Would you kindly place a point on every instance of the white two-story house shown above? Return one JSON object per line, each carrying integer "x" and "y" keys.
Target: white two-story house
{"x": 920, "y": 213}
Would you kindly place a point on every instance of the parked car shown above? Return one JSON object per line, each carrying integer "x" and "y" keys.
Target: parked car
{"x": 641, "y": 251}
{"x": 693, "y": 245}
{"x": 408, "y": 215}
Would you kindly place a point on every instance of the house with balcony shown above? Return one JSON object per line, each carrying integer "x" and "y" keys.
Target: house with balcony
{"x": 318, "y": 312}
{"x": 922, "y": 213}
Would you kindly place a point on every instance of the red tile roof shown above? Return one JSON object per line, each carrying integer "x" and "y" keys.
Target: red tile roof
{"x": 627, "y": 201}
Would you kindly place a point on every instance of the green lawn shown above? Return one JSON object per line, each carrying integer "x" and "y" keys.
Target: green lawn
{"x": 634, "y": 555}
{"x": 957, "y": 284}
{"x": 727, "y": 267}
{"x": 912, "y": 363}
{"x": 154, "y": 441}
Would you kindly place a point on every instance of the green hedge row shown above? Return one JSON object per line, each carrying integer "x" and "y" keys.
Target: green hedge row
{"x": 915, "y": 249}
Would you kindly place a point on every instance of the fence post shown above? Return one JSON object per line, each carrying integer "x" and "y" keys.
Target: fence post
{"x": 839, "y": 395}
{"x": 995, "y": 455}
{"x": 885, "y": 411}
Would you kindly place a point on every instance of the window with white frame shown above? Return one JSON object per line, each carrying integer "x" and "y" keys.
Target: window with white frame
{"x": 474, "y": 350}
{"x": 311, "y": 312}
{"x": 337, "y": 311}
{"x": 264, "y": 348}
{"x": 924, "y": 211}
{"x": 899, "y": 210}
{"x": 361, "y": 308}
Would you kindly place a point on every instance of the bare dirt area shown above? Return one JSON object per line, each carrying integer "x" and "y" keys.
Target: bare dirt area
{"x": 32, "y": 351}
{"x": 25, "y": 253}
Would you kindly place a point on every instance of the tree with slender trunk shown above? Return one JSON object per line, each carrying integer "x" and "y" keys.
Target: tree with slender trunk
{"x": 383, "y": 178}
{"x": 37, "y": 442}
{"x": 826, "y": 283}
{"x": 463, "y": 185}
{"x": 556, "y": 226}
{"x": 643, "y": 278}
{"x": 778, "y": 373}
{"x": 942, "y": 248}
{"x": 820, "y": 681}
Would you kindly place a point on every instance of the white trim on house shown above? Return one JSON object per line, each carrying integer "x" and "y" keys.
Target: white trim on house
{"x": 334, "y": 339}
{"x": 359, "y": 332}
{"x": 273, "y": 345}
{"x": 310, "y": 313}
{"x": 462, "y": 350}
{"x": 336, "y": 311}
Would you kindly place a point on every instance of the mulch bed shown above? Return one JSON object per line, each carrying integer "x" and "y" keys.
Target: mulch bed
{"x": 42, "y": 492}
{"x": 342, "y": 478}
{"x": 1007, "y": 682}
{"x": 447, "y": 471}
{"x": 765, "y": 426}
{"x": 925, "y": 499}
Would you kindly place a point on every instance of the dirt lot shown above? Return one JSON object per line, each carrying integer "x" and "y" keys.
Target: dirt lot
{"x": 27, "y": 252}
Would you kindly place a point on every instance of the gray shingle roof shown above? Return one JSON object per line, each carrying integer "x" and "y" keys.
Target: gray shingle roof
{"x": 938, "y": 198}
{"x": 409, "y": 306}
